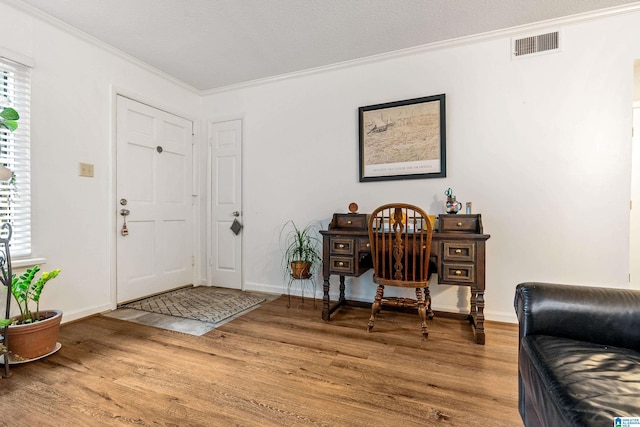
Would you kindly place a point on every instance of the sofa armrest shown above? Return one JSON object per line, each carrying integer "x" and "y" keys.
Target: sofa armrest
{"x": 604, "y": 316}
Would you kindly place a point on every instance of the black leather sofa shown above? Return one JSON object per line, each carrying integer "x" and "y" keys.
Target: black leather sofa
{"x": 579, "y": 354}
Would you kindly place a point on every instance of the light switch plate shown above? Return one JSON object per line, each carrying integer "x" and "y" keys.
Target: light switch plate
{"x": 85, "y": 169}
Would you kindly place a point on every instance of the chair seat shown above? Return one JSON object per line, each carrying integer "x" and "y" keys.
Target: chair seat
{"x": 408, "y": 283}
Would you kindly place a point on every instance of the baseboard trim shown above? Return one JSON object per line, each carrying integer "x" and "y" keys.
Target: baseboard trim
{"x": 80, "y": 314}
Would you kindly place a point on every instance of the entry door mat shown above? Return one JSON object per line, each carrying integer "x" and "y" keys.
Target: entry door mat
{"x": 202, "y": 303}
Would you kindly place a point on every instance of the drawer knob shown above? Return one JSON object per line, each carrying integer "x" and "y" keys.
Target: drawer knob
{"x": 458, "y": 251}
{"x": 341, "y": 246}
{"x": 459, "y": 224}
{"x": 368, "y": 245}
{"x": 349, "y": 222}
{"x": 341, "y": 264}
{"x": 458, "y": 273}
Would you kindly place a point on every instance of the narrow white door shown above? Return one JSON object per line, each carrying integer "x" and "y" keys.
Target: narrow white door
{"x": 154, "y": 184}
{"x": 225, "y": 188}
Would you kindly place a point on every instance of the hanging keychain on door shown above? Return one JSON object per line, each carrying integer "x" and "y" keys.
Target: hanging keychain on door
{"x": 124, "y": 213}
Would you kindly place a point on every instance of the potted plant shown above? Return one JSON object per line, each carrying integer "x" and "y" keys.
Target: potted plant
{"x": 301, "y": 249}
{"x": 9, "y": 121}
{"x": 32, "y": 333}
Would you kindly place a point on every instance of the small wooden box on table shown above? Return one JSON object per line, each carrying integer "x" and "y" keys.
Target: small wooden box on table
{"x": 458, "y": 249}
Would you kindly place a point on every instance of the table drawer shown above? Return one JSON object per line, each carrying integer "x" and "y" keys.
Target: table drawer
{"x": 459, "y": 251}
{"x": 364, "y": 245}
{"x": 351, "y": 221}
{"x": 458, "y": 273}
{"x": 462, "y": 223}
{"x": 341, "y": 265}
{"x": 342, "y": 246}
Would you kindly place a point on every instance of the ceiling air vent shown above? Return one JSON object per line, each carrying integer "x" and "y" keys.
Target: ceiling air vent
{"x": 536, "y": 44}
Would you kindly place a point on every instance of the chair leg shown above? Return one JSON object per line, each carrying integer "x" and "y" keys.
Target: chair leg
{"x": 375, "y": 307}
{"x": 422, "y": 311}
{"x": 427, "y": 299}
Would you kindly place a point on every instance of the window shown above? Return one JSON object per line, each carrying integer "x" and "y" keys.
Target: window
{"x": 15, "y": 194}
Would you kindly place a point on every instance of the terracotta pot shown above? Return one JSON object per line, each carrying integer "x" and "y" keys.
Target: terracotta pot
{"x": 33, "y": 340}
{"x": 300, "y": 270}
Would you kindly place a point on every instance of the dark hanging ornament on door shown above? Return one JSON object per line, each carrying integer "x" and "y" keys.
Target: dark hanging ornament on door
{"x": 236, "y": 227}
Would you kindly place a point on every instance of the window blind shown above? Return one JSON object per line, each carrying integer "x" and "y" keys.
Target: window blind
{"x": 15, "y": 154}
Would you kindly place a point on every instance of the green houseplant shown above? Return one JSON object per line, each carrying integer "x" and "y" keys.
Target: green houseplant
{"x": 9, "y": 118}
{"x": 301, "y": 249}
{"x": 9, "y": 121}
{"x": 32, "y": 333}
{"x": 25, "y": 291}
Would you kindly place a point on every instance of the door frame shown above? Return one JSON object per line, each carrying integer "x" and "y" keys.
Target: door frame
{"x": 112, "y": 186}
{"x": 209, "y": 196}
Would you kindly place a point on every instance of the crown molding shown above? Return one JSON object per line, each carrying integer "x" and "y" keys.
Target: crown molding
{"x": 38, "y": 14}
{"x": 440, "y": 45}
{"x": 430, "y": 47}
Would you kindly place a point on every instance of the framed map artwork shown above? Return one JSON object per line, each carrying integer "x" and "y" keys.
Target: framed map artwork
{"x": 403, "y": 139}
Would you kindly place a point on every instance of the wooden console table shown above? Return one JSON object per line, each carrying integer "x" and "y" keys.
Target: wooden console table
{"x": 458, "y": 249}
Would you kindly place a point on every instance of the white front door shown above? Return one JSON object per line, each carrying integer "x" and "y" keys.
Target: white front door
{"x": 225, "y": 189}
{"x": 154, "y": 184}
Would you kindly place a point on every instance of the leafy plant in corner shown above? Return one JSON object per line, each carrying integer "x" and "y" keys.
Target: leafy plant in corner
{"x": 9, "y": 121}
{"x": 25, "y": 291}
{"x": 299, "y": 246}
{"x": 9, "y": 118}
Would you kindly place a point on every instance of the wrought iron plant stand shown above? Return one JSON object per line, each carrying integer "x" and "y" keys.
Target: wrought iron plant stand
{"x": 6, "y": 278}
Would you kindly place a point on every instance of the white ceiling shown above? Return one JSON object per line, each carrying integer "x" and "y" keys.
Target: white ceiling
{"x": 210, "y": 44}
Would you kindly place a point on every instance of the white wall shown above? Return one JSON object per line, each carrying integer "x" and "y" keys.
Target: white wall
{"x": 541, "y": 146}
{"x": 73, "y": 93}
{"x": 634, "y": 245}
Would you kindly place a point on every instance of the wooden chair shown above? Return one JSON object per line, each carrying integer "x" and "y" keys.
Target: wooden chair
{"x": 400, "y": 237}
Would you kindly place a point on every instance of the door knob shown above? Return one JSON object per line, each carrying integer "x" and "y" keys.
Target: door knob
{"x": 123, "y": 202}
{"x": 236, "y": 213}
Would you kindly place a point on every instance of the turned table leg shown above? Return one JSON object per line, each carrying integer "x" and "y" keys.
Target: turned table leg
{"x": 325, "y": 298}
{"x": 479, "y": 324}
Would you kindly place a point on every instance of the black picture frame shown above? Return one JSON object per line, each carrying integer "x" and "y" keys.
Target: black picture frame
{"x": 403, "y": 139}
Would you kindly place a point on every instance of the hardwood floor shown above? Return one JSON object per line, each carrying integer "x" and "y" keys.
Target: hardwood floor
{"x": 271, "y": 367}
